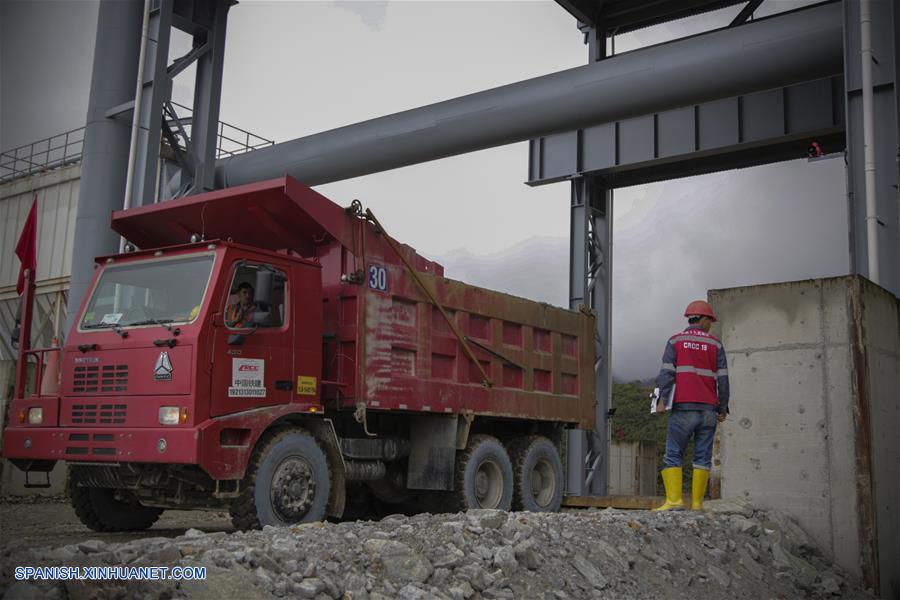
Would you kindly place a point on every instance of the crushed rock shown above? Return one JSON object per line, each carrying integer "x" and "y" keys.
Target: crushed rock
{"x": 731, "y": 552}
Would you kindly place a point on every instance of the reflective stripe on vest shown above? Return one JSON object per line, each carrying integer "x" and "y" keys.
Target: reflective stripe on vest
{"x": 700, "y": 372}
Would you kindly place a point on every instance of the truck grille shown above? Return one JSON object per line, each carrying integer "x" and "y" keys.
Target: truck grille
{"x": 94, "y": 379}
{"x": 82, "y": 445}
{"x": 107, "y": 414}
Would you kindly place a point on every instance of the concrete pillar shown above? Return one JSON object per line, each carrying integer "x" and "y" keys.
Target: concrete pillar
{"x": 814, "y": 368}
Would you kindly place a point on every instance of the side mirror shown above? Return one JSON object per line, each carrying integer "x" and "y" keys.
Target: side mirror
{"x": 264, "y": 280}
{"x": 261, "y": 318}
{"x": 16, "y": 332}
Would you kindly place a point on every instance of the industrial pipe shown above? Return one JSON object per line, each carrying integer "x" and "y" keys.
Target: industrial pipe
{"x": 868, "y": 115}
{"x": 136, "y": 113}
{"x": 784, "y": 49}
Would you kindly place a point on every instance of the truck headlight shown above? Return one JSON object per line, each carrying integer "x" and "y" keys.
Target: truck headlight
{"x": 35, "y": 415}
{"x": 168, "y": 415}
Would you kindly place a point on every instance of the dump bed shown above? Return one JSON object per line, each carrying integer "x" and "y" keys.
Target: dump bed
{"x": 387, "y": 345}
{"x": 538, "y": 358}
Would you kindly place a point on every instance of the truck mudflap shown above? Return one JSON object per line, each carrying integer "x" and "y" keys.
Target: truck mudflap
{"x": 151, "y": 445}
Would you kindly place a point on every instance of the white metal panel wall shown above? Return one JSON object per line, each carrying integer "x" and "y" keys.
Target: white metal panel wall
{"x": 57, "y": 193}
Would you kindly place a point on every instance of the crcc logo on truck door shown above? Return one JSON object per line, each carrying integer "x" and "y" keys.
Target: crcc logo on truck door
{"x": 248, "y": 376}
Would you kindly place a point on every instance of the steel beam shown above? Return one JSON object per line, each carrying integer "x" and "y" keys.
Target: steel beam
{"x": 768, "y": 53}
{"x": 745, "y": 13}
{"x": 742, "y": 131}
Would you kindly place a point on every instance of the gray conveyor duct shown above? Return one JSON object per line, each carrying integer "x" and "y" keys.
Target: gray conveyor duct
{"x": 784, "y": 49}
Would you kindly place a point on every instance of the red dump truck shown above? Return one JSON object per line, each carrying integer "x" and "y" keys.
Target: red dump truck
{"x": 265, "y": 350}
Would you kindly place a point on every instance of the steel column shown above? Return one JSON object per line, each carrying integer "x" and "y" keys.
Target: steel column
{"x": 106, "y": 140}
{"x": 590, "y": 270}
{"x": 191, "y": 138}
{"x": 157, "y": 90}
{"x": 207, "y": 95}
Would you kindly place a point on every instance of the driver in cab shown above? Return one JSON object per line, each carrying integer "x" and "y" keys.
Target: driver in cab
{"x": 240, "y": 314}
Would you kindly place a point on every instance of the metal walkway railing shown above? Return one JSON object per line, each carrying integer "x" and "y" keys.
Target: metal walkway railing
{"x": 43, "y": 155}
{"x": 66, "y": 149}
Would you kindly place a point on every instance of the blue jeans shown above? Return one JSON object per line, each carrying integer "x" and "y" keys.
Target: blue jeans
{"x": 684, "y": 423}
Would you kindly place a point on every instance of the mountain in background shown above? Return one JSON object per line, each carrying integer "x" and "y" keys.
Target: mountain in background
{"x": 536, "y": 269}
{"x": 675, "y": 240}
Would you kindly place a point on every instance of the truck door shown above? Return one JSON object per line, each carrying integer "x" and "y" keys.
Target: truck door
{"x": 252, "y": 362}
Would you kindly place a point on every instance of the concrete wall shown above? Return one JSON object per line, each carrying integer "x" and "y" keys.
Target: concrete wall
{"x": 57, "y": 193}
{"x": 880, "y": 339}
{"x": 813, "y": 367}
{"x": 632, "y": 468}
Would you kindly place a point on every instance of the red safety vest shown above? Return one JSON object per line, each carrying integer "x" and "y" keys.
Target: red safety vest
{"x": 238, "y": 316}
{"x": 696, "y": 358}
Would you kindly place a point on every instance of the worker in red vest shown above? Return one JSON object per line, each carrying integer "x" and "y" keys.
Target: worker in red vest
{"x": 694, "y": 362}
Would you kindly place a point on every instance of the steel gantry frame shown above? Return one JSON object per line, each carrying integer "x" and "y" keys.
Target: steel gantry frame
{"x": 194, "y": 151}
{"x": 130, "y": 112}
{"x": 729, "y": 132}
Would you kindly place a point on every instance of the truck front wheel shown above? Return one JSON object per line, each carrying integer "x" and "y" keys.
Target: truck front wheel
{"x": 484, "y": 477}
{"x": 107, "y": 509}
{"x": 287, "y": 482}
{"x": 538, "y": 474}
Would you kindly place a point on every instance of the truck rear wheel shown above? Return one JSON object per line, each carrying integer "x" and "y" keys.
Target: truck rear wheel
{"x": 107, "y": 509}
{"x": 484, "y": 477}
{"x": 538, "y": 474}
{"x": 287, "y": 481}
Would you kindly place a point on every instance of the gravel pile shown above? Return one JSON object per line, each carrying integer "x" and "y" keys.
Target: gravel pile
{"x": 740, "y": 553}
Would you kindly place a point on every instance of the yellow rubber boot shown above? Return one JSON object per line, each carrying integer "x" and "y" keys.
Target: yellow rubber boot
{"x": 698, "y": 488}
{"x": 672, "y": 480}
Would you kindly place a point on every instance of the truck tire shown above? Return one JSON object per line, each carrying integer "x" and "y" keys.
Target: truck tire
{"x": 538, "y": 474}
{"x": 288, "y": 481}
{"x": 483, "y": 477}
{"x": 106, "y": 509}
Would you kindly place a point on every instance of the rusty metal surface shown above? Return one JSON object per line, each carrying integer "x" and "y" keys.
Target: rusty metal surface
{"x": 868, "y": 532}
{"x": 393, "y": 350}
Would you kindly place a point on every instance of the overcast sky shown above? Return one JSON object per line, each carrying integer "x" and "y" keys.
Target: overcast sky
{"x": 297, "y": 68}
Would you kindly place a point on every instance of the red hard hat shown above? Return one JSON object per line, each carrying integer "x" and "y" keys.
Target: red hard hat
{"x": 700, "y": 308}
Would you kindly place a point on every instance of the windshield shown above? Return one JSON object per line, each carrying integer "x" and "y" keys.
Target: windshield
{"x": 147, "y": 293}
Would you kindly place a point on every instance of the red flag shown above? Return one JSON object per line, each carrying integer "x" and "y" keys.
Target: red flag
{"x": 26, "y": 249}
